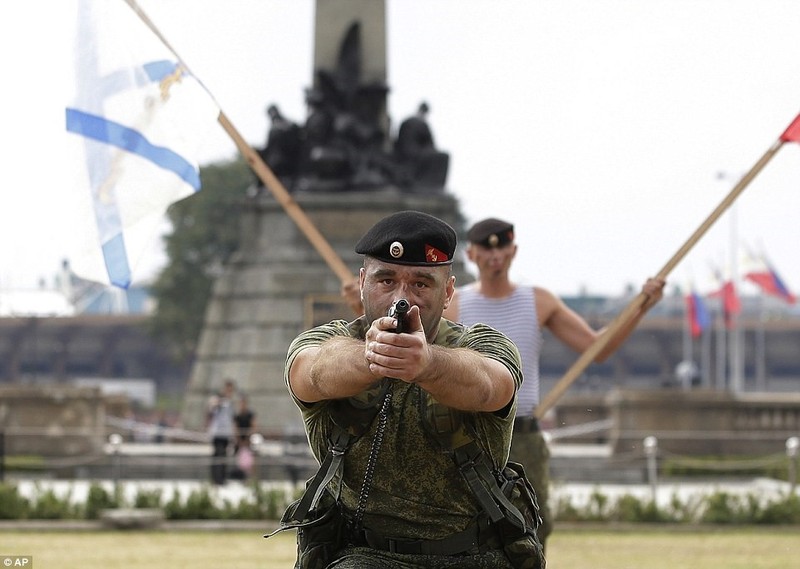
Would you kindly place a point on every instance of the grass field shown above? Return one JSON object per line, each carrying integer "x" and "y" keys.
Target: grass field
{"x": 649, "y": 548}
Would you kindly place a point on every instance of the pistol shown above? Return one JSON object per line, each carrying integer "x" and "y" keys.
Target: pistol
{"x": 399, "y": 309}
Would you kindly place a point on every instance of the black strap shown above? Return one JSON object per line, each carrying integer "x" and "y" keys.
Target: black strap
{"x": 345, "y": 431}
{"x": 474, "y": 466}
{"x": 327, "y": 470}
{"x": 473, "y": 478}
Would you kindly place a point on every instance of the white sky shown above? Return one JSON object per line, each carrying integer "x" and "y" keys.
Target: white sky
{"x": 597, "y": 127}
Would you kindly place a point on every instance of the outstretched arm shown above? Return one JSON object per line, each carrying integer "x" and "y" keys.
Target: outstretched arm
{"x": 573, "y": 331}
{"x": 457, "y": 377}
{"x": 335, "y": 369}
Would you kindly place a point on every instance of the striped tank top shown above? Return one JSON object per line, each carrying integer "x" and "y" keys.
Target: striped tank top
{"x": 516, "y": 317}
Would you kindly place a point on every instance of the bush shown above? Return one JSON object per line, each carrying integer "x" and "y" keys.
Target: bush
{"x": 12, "y": 505}
{"x": 48, "y": 506}
{"x": 597, "y": 507}
{"x": 786, "y": 511}
{"x": 147, "y": 498}
{"x": 264, "y": 505}
{"x": 198, "y": 506}
{"x": 716, "y": 508}
{"x": 631, "y": 509}
{"x": 98, "y": 499}
{"x": 723, "y": 508}
{"x": 276, "y": 504}
{"x": 565, "y": 511}
{"x": 685, "y": 512}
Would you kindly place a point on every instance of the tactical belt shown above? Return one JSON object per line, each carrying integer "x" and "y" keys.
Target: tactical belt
{"x": 526, "y": 425}
{"x": 475, "y": 535}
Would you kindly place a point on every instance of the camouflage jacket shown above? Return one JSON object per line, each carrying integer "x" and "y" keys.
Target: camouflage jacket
{"x": 417, "y": 491}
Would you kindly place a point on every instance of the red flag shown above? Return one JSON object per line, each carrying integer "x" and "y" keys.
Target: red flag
{"x": 730, "y": 299}
{"x": 792, "y": 133}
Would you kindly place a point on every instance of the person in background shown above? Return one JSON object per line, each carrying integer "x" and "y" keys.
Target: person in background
{"x": 221, "y": 430}
{"x": 161, "y": 428}
{"x": 245, "y": 421}
{"x": 522, "y": 312}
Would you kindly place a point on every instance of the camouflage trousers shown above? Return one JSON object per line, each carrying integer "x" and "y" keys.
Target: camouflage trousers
{"x": 530, "y": 450}
{"x": 367, "y": 558}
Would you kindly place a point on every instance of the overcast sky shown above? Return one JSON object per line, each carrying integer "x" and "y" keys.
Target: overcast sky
{"x": 597, "y": 127}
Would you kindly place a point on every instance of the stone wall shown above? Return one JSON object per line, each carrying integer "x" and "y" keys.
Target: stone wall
{"x": 686, "y": 422}
{"x": 52, "y": 421}
{"x": 704, "y": 422}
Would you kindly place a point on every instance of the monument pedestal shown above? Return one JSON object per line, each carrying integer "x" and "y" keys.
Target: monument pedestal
{"x": 277, "y": 285}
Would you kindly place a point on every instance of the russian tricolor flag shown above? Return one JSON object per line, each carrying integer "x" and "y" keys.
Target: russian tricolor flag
{"x": 697, "y": 313}
{"x": 768, "y": 280}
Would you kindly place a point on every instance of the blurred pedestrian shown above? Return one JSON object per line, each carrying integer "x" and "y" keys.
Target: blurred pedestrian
{"x": 221, "y": 428}
{"x": 245, "y": 422}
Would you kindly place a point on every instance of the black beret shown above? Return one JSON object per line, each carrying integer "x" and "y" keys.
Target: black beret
{"x": 410, "y": 238}
{"x": 491, "y": 232}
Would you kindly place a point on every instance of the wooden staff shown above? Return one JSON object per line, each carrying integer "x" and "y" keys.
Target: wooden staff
{"x": 266, "y": 176}
{"x": 792, "y": 134}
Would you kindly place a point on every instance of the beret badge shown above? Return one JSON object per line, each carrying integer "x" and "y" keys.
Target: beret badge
{"x": 396, "y": 250}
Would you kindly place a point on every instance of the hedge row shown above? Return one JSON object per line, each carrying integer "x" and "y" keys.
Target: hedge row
{"x": 198, "y": 505}
{"x": 716, "y": 508}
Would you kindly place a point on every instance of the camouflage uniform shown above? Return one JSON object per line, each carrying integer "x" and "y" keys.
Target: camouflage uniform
{"x": 417, "y": 491}
{"x": 531, "y": 450}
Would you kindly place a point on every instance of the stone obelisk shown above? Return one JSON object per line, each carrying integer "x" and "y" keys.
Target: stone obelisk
{"x": 277, "y": 284}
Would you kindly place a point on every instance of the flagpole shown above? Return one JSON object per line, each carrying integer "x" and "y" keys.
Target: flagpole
{"x": 630, "y": 311}
{"x": 722, "y": 356}
{"x": 705, "y": 357}
{"x": 266, "y": 176}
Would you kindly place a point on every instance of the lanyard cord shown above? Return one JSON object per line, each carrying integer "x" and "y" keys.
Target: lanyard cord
{"x": 369, "y": 472}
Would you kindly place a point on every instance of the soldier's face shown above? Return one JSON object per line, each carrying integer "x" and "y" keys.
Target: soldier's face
{"x": 430, "y": 288}
{"x": 492, "y": 260}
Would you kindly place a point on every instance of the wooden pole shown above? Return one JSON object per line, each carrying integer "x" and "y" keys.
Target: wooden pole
{"x": 264, "y": 174}
{"x": 630, "y": 311}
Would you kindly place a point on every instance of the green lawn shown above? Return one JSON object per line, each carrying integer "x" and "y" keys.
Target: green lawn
{"x": 647, "y": 548}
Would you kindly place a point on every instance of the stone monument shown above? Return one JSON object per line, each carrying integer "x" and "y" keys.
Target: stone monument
{"x": 345, "y": 143}
{"x": 345, "y": 176}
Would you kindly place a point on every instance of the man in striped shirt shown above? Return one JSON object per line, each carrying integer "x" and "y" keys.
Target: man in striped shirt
{"x": 521, "y": 312}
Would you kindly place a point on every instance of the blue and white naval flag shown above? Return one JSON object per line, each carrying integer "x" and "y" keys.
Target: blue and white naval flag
{"x": 139, "y": 118}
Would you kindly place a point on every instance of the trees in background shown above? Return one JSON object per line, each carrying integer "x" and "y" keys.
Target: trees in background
{"x": 205, "y": 233}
